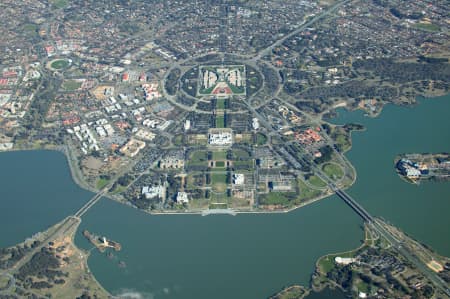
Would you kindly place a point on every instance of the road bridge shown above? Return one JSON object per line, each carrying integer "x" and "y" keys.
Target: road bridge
{"x": 375, "y": 224}
{"x": 90, "y": 203}
{"x": 354, "y": 205}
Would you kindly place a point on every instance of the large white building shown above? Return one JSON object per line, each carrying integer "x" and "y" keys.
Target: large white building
{"x": 220, "y": 138}
{"x": 154, "y": 191}
{"x": 344, "y": 260}
{"x": 238, "y": 178}
{"x": 255, "y": 123}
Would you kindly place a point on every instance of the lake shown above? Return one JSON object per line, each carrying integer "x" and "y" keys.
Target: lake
{"x": 248, "y": 255}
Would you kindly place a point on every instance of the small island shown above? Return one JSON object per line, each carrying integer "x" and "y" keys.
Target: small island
{"x": 101, "y": 243}
{"x": 417, "y": 167}
{"x": 49, "y": 265}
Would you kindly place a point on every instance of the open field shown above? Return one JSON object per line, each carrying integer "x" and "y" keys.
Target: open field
{"x": 261, "y": 139}
{"x": 218, "y": 205}
{"x": 220, "y": 104}
{"x": 326, "y": 263}
{"x": 198, "y": 158}
{"x": 219, "y": 155}
{"x": 239, "y": 154}
{"x": 220, "y": 164}
{"x": 220, "y": 121}
{"x": 219, "y": 182}
{"x": 4, "y": 282}
{"x": 59, "y": 64}
{"x": 101, "y": 92}
{"x": 306, "y": 192}
{"x": 71, "y": 85}
{"x": 277, "y": 198}
{"x": 60, "y": 3}
{"x": 428, "y": 27}
{"x": 316, "y": 181}
{"x": 101, "y": 183}
{"x": 197, "y": 139}
{"x": 334, "y": 171}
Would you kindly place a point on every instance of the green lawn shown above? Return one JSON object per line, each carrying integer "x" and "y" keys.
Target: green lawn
{"x": 342, "y": 139}
{"x": 362, "y": 286}
{"x": 119, "y": 189}
{"x": 220, "y": 104}
{"x": 248, "y": 164}
{"x": 275, "y": 198}
{"x": 240, "y": 154}
{"x": 60, "y": 3}
{"x": 261, "y": 139}
{"x": 218, "y": 206}
{"x": 220, "y": 164}
{"x": 316, "y": 181}
{"x": 333, "y": 171}
{"x": 219, "y": 182}
{"x": 290, "y": 199}
{"x": 31, "y": 29}
{"x": 198, "y": 157}
{"x": 236, "y": 89}
{"x": 428, "y": 27}
{"x": 102, "y": 183}
{"x": 219, "y": 155}
{"x": 4, "y": 281}
{"x": 220, "y": 121}
{"x": 60, "y": 64}
{"x": 71, "y": 85}
{"x": 326, "y": 264}
{"x": 206, "y": 91}
{"x": 306, "y": 192}
{"x": 178, "y": 140}
{"x": 218, "y": 178}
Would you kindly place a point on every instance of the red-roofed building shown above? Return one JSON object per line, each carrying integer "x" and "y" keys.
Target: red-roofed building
{"x": 50, "y": 50}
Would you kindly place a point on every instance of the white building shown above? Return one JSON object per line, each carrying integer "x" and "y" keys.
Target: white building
{"x": 220, "y": 138}
{"x": 255, "y": 123}
{"x": 182, "y": 197}
{"x": 151, "y": 123}
{"x": 154, "y": 191}
{"x": 145, "y": 134}
{"x": 187, "y": 125}
{"x": 238, "y": 178}
{"x": 100, "y": 131}
{"x": 344, "y": 260}
{"x": 412, "y": 173}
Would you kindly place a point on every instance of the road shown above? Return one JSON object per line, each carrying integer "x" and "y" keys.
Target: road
{"x": 379, "y": 227}
{"x": 62, "y": 228}
{"x": 250, "y": 59}
{"x": 91, "y": 202}
{"x": 411, "y": 257}
{"x": 320, "y": 16}
{"x": 364, "y": 214}
{"x": 67, "y": 224}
